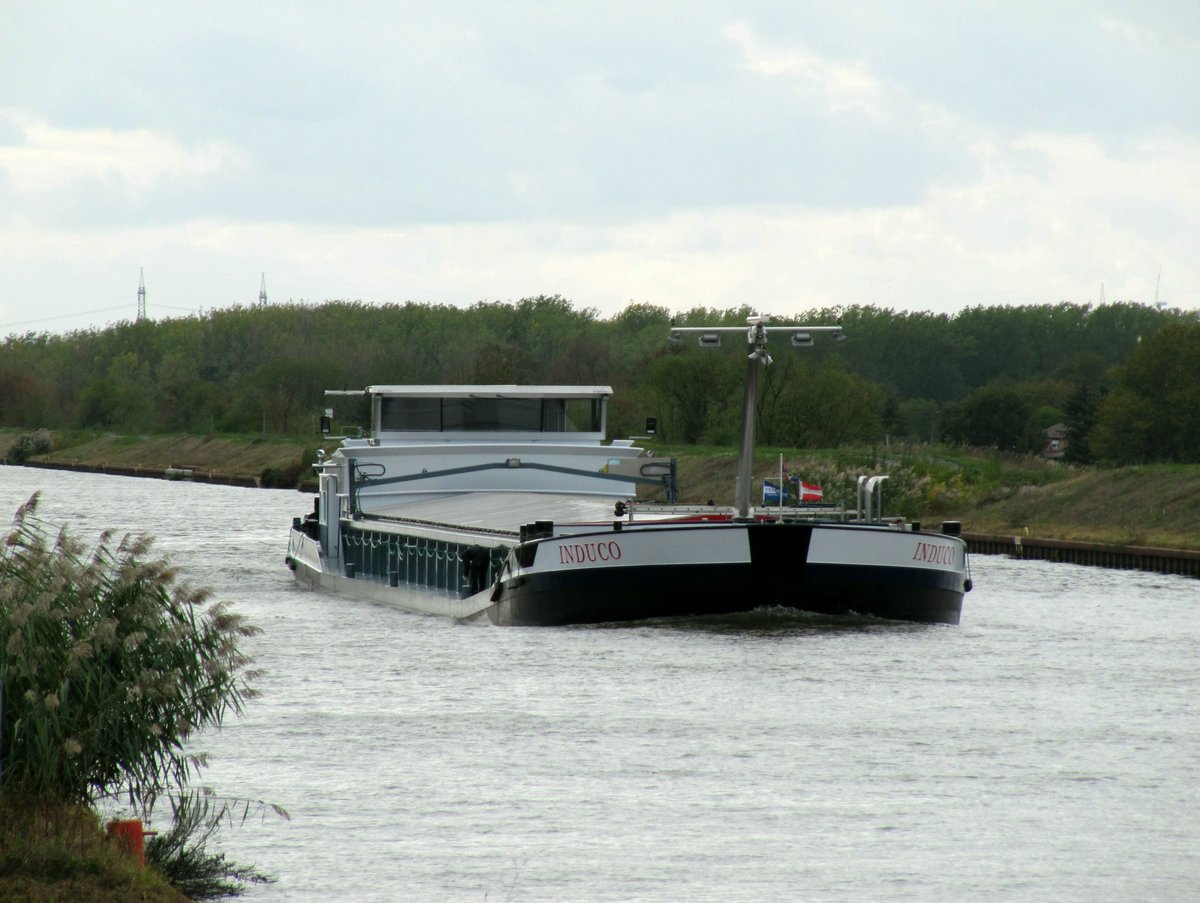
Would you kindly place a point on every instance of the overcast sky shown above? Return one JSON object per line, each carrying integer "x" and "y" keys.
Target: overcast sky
{"x": 786, "y": 155}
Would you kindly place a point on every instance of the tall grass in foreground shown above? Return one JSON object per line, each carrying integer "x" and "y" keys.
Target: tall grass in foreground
{"x": 108, "y": 665}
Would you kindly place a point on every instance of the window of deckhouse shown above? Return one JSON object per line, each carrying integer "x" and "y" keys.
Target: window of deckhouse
{"x": 523, "y": 415}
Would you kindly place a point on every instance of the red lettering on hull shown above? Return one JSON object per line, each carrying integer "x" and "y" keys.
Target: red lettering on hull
{"x": 933, "y": 553}
{"x": 589, "y": 552}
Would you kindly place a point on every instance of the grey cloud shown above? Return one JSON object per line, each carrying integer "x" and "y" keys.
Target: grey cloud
{"x": 387, "y": 115}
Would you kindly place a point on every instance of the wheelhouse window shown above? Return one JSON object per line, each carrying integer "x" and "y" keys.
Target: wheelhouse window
{"x": 410, "y": 414}
{"x": 492, "y": 414}
{"x": 580, "y": 415}
{"x": 503, "y": 415}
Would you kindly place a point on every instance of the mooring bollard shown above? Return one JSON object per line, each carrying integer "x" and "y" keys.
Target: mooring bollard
{"x": 129, "y": 835}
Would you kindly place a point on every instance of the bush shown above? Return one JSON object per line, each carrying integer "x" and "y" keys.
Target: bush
{"x": 109, "y": 666}
{"x": 29, "y": 444}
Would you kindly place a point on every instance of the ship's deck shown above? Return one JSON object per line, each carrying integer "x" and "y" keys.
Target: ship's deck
{"x": 498, "y": 512}
{"x": 505, "y": 512}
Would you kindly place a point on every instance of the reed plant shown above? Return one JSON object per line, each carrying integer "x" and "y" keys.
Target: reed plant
{"x": 109, "y": 664}
{"x": 182, "y": 856}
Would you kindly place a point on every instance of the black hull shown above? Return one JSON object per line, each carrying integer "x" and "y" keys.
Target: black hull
{"x": 589, "y": 578}
{"x": 633, "y": 594}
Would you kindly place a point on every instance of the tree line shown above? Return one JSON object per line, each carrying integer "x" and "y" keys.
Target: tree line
{"x": 1117, "y": 374}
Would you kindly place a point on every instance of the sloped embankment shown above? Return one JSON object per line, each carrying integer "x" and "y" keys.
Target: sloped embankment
{"x": 256, "y": 460}
{"x": 1154, "y": 505}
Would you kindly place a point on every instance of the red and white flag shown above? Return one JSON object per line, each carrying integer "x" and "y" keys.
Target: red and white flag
{"x": 811, "y": 493}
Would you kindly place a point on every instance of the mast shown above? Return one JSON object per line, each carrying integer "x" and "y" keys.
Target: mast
{"x": 756, "y": 332}
{"x": 756, "y": 341}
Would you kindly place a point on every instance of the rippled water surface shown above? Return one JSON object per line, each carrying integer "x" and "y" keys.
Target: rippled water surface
{"x": 1047, "y": 749}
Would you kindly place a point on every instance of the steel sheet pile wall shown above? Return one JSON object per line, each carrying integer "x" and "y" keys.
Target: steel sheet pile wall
{"x": 1138, "y": 558}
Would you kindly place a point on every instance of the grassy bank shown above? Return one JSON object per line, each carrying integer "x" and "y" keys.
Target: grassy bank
{"x": 1156, "y": 505}
{"x": 989, "y": 493}
{"x": 275, "y": 460}
{"x": 60, "y": 854}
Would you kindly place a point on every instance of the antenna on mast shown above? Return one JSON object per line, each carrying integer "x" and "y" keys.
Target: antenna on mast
{"x": 262, "y": 292}
{"x": 1158, "y": 304}
{"x": 141, "y": 307}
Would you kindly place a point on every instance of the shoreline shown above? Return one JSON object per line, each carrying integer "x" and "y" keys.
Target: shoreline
{"x": 182, "y": 474}
{"x": 1153, "y": 559}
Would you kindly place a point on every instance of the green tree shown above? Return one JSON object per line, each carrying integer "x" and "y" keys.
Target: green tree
{"x": 1080, "y": 418}
{"x": 918, "y": 419}
{"x": 102, "y": 404}
{"x": 994, "y": 416}
{"x": 912, "y": 354}
{"x": 693, "y": 390}
{"x": 205, "y": 372}
{"x": 24, "y": 400}
{"x": 1153, "y": 414}
{"x": 584, "y": 360}
{"x": 290, "y": 387}
{"x": 499, "y": 363}
{"x": 827, "y": 406}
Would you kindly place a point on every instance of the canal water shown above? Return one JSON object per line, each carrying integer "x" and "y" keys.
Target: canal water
{"x": 1047, "y": 749}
